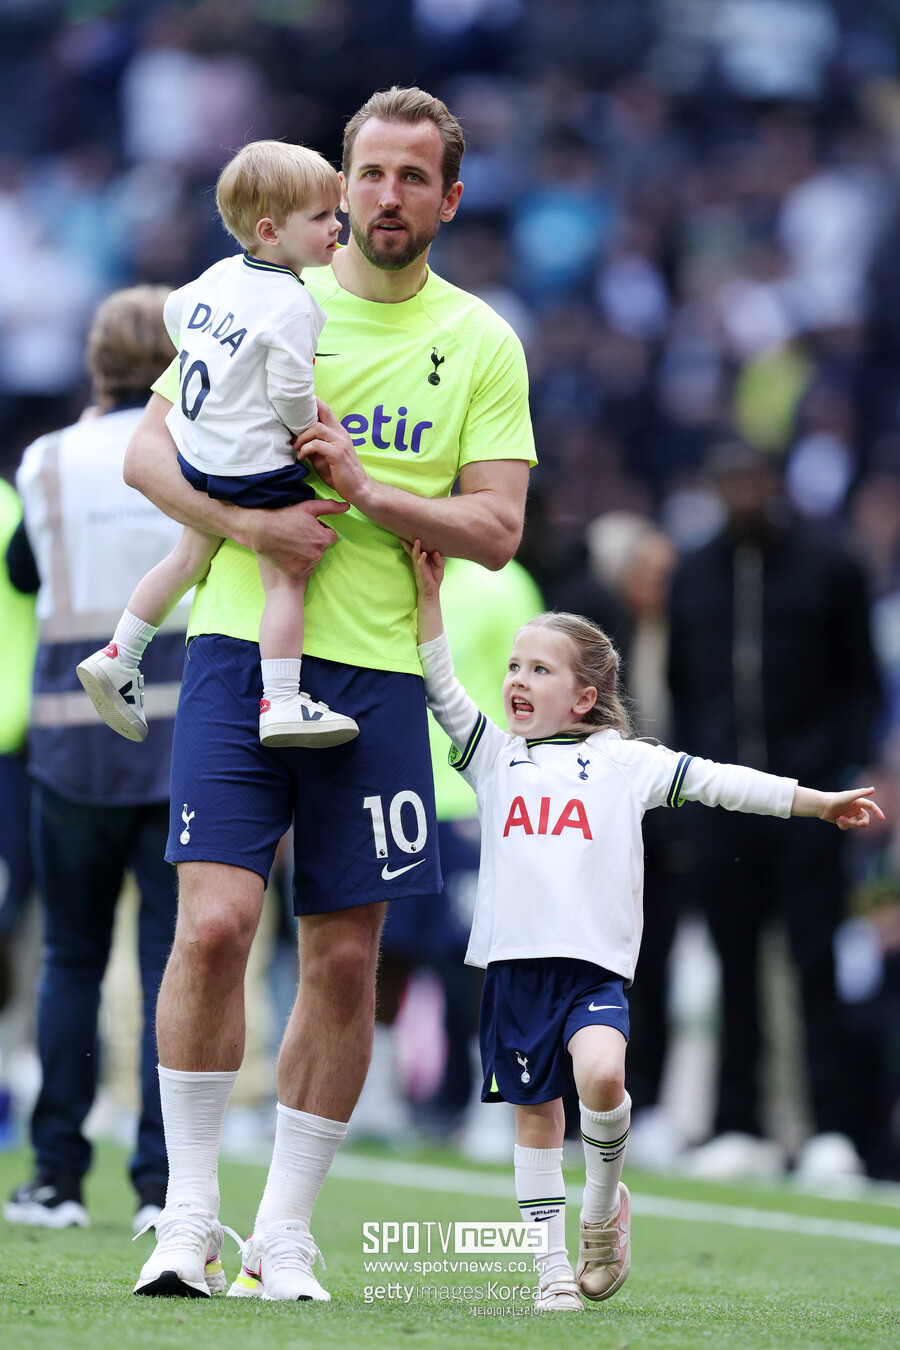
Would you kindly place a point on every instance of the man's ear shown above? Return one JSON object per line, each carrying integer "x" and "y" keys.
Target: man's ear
{"x": 451, "y": 202}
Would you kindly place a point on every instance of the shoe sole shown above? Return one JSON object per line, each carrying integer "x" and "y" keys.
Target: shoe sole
{"x": 169, "y": 1284}
{"x": 108, "y": 703}
{"x": 307, "y": 735}
{"x": 67, "y": 1215}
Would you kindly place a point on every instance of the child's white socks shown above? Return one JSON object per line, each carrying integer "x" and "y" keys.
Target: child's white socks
{"x": 541, "y": 1194}
{"x": 605, "y": 1135}
{"x": 132, "y": 637}
{"x": 281, "y": 679}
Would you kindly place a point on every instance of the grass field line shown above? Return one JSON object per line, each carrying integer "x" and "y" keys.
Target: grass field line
{"x": 429, "y": 1177}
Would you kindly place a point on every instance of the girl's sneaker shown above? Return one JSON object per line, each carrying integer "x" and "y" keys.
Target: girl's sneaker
{"x": 558, "y": 1292}
{"x": 604, "y": 1252}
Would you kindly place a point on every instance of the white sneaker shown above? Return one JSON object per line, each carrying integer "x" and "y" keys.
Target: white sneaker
{"x": 302, "y": 721}
{"x": 827, "y": 1158}
{"x": 186, "y": 1260}
{"x": 116, "y": 691}
{"x": 604, "y": 1252}
{"x": 734, "y": 1154}
{"x": 277, "y": 1262}
{"x": 558, "y": 1292}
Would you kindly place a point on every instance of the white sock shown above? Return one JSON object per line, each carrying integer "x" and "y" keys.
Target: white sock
{"x": 541, "y": 1194}
{"x": 605, "y": 1135}
{"x": 281, "y": 679}
{"x": 131, "y": 637}
{"x": 193, "y": 1108}
{"x": 305, "y": 1146}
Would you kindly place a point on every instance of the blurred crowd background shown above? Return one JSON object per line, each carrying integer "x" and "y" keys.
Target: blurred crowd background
{"x": 689, "y": 211}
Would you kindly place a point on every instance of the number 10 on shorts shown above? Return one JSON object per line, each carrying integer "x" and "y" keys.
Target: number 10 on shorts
{"x": 397, "y": 820}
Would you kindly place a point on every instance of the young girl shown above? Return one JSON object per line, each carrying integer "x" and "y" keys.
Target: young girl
{"x": 558, "y": 916}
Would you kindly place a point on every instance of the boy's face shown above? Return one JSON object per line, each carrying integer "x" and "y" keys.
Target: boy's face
{"x": 308, "y": 238}
{"x": 394, "y": 191}
{"x": 540, "y": 695}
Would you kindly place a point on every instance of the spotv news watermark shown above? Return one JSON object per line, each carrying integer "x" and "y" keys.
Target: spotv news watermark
{"x": 498, "y": 1252}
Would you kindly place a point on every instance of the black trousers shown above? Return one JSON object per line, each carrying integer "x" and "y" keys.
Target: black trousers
{"x": 751, "y": 869}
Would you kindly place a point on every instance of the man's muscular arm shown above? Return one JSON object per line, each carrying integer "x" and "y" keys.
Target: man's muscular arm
{"x": 483, "y": 523}
{"x": 293, "y": 538}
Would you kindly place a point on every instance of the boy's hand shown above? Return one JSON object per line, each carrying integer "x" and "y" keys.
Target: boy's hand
{"x": 850, "y": 810}
{"x": 428, "y": 568}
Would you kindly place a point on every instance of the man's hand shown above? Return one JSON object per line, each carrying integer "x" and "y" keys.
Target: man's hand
{"x": 329, "y": 449}
{"x": 293, "y": 538}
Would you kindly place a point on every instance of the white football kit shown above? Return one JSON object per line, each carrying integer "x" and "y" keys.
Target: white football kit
{"x": 246, "y": 333}
{"x": 562, "y": 858}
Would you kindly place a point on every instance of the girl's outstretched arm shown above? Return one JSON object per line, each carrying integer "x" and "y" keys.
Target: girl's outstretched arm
{"x": 848, "y": 810}
{"x": 429, "y": 570}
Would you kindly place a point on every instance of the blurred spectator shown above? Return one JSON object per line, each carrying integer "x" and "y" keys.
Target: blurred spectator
{"x": 99, "y": 803}
{"x": 18, "y": 626}
{"x": 772, "y": 666}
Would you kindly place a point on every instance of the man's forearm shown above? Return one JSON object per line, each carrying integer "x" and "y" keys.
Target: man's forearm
{"x": 483, "y": 523}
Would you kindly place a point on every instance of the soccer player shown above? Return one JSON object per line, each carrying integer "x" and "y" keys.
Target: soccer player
{"x": 247, "y": 329}
{"x": 558, "y": 909}
{"x": 432, "y": 387}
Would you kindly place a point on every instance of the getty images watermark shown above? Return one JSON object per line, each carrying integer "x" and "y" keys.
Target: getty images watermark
{"x": 459, "y": 1248}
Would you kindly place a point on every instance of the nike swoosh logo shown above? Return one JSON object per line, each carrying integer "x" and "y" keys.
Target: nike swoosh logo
{"x": 318, "y": 354}
{"x": 387, "y": 874}
{"x": 514, "y": 762}
{"x": 601, "y": 1007}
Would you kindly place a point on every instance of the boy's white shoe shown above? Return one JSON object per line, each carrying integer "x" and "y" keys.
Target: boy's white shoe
{"x": 116, "y": 691}
{"x": 302, "y": 721}
{"x": 277, "y": 1262}
{"x": 604, "y": 1251}
{"x": 558, "y": 1292}
{"x": 186, "y": 1260}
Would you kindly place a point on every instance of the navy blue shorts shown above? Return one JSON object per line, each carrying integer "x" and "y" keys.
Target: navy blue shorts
{"x": 281, "y": 487}
{"x": 363, "y": 812}
{"x": 530, "y": 1010}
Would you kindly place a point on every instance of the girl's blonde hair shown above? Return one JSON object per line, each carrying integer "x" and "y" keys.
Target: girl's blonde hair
{"x": 274, "y": 179}
{"x": 595, "y": 662}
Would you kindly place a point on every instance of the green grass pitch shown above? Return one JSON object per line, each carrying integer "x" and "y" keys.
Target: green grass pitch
{"x": 735, "y": 1267}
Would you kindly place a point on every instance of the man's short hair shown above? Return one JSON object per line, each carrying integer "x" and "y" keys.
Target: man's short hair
{"x": 274, "y": 179}
{"x": 128, "y": 345}
{"x": 410, "y": 105}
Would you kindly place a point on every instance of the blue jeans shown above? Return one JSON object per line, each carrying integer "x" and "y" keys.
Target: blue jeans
{"x": 81, "y": 853}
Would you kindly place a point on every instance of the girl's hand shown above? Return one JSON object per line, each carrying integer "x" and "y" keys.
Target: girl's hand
{"x": 850, "y": 810}
{"x": 428, "y": 568}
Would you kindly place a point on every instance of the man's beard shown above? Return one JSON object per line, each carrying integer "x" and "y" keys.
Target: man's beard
{"x": 396, "y": 258}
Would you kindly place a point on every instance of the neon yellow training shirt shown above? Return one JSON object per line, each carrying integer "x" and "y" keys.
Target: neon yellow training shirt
{"x": 424, "y": 387}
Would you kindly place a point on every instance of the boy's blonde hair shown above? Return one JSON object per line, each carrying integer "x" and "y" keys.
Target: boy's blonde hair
{"x": 410, "y": 105}
{"x": 274, "y": 179}
{"x": 128, "y": 346}
{"x": 595, "y": 662}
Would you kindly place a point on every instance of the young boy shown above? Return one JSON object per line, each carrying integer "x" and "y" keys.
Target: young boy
{"x": 246, "y": 331}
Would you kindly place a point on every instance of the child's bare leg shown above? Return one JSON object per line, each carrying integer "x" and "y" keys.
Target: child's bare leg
{"x": 111, "y": 677}
{"x": 288, "y": 717}
{"x": 157, "y": 594}
{"x": 540, "y": 1189}
{"x": 598, "y": 1062}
